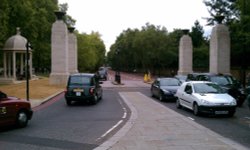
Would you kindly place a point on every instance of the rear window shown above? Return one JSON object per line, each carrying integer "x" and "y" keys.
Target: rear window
{"x": 80, "y": 80}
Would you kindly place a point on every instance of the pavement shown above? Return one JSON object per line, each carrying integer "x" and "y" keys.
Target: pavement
{"x": 153, "y": 126}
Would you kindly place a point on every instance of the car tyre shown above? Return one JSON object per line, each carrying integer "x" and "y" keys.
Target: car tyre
{"x": 69, "y": 103}
{"x": 178, "y": 105}
{"x": 22, "y": 119}
{"x": 196, "y": 109}
{"x": 95, "y": 99}
{"x": 231, "y": 114}
{"x": 161, "y": 97}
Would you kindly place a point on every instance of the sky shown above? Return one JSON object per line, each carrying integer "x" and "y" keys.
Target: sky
{"x": 111, "y": 17}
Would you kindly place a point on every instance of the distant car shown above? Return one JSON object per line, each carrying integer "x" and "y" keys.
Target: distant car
{"x": 228, "y": 83}
{"x": 14, "y": 111}
{"x": 103, "y": 73}
{"x": 83, "y": 87}
{"x": 182, "y": 78}
{"x": 165, "y": 88}
{"x": 205, "y": 97}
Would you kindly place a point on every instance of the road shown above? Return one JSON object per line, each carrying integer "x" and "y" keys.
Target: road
{"x": 58, "y": 126}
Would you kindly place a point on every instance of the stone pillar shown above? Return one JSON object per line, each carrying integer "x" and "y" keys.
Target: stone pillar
{"x": 72, "y": 41}
{"x": 14, "y": 65}
{"x": 185, "y": 54}
{"x": 5, "y": 64}
{"x": 59, "y": 52}
{"x": 219, "y": 61}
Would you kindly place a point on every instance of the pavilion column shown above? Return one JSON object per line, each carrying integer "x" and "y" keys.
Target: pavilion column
{"x": 4, "y": 65}
{"x": 9, "y": 65}
{"x": 14, "y": 65}
{"x": 21, "y": 64}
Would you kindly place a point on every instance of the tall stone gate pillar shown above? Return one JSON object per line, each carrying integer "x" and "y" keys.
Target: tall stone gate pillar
{"x": 59, "y": 52}
{"x": 72, "y": 51}
{"x": 185, "y": 54}
{"x": 219, "y": 61}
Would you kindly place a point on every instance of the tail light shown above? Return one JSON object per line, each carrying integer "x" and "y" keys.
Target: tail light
{"x": 91, "y": 91}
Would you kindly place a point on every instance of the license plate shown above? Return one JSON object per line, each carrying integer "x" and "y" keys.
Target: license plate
{"x": 221, "y": 112}
{"x": 78, "y": 93}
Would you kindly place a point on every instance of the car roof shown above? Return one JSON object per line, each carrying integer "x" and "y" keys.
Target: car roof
{"x": 83, "y": 74}
{"x": 194, "y": 82}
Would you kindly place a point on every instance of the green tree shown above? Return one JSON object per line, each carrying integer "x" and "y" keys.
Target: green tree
{"x": 91, "y": 52}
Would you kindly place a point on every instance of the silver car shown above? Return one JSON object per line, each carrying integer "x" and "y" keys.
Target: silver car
{"x": 205, "y": 97}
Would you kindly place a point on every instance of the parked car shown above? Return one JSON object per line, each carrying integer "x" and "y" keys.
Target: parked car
{"x": 228, "y": 83}
{"x": 192, "y": 76}
{"x": 205, "y": 97}
{"x": 83, "y": 87}
{"x": 182, "y": 78}
{"x": 14, "y": 111}
{"x": 103, "y": 73}
{"x": 165, "y": 88}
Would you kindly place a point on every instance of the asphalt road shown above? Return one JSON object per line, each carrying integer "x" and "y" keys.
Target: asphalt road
{"x": 57, "y": 126}
{"x": 236, "y": 128}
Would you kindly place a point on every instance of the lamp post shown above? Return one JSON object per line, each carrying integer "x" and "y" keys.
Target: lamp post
{"x": 28, "y": 46}
{"x": 117, "y": 73}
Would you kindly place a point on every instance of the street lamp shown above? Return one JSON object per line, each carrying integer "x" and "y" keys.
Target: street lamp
{"x": 117, "y": 73}
{"x": 28, "y": 46}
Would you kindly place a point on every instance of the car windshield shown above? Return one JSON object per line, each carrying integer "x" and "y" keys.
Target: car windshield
{"x": 169, "y": 82}
{"x": 221, "y": 80}
{"x": 80, "y": 80}
{"x": 207, "y": 88}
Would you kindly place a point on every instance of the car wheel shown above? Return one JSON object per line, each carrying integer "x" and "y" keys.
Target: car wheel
{"x": 95, "y": 99}
{"x": 22, "y": 119}
{"x": 160, "y": 97}
{"x": 178, "y": 105}
{"x": 68, "y": 102}
{"x": 196, "y": 109}
{"x": 231, "y": 114}
{"x": 152, "y": 94}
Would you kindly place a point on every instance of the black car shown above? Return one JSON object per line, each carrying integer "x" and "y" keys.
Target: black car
{"x": 83, "y": 87}
{"x": 165, "y": 88}
{"x": 228, "y": 83}
{"x": 103, "y": 73}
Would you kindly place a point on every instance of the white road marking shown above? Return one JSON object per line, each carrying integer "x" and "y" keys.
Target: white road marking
{"x": 106, "y": 133}
{"x": 190, "y": 118}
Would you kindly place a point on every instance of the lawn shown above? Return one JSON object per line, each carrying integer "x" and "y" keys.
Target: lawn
{"x": 38, "y": 89}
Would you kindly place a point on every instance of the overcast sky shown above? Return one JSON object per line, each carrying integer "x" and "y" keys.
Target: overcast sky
{"x": 111, "y": 17}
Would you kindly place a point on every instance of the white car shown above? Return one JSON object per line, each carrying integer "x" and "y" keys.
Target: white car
{"x": 205, "y": 97}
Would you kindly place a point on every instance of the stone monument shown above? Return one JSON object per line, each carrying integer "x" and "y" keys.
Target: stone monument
{"x": 59, "y": 51}
{"x": 185, "y": 54}
{"x": 219, "y": 61}
{"x": 72, "y": 51}
{"x": 14, "y": 58}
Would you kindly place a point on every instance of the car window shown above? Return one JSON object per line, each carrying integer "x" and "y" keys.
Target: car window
{"x": 82, "y": 80}
{"x": 221, "y": 80}
{"x": 188, "y": 88}
{"x": 170, "y": 82}
{"x": 207, "y": 88}
{"x": 203, "y": 78}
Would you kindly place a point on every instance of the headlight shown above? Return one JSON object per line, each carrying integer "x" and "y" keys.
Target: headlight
{"x": 165, "y": 91}
{"x": 205, "y": 102}
{"x": 233, "y": 102}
